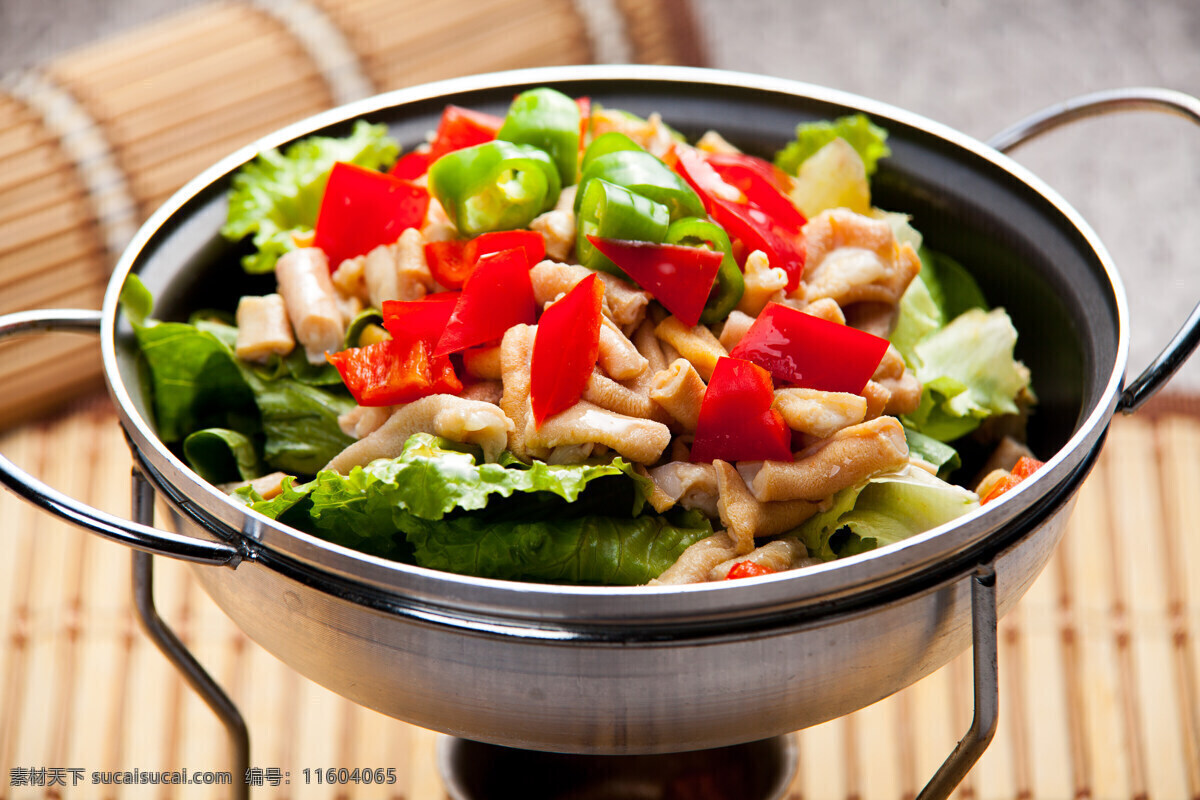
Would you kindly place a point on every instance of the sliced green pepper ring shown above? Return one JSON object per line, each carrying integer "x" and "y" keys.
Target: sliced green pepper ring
{"x": 547, "y": 119}
{"x": 494, "y": 186}
{"x": 362, "y": 320}
{"x": 729, "y": 285}
{"x": 613, "y": 212}
{"x": 605, "y": 143}
{"x": 642, "y": 173}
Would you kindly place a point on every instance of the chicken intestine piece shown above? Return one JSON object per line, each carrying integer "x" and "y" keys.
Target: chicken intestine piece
{"x": 827, "y": 309}
{"x": 735, "y": 327}
{"x": 778, "y": 555}
{"x": 437, "y": 226}
{"x": 745, "y": 518}
{"x": 350, "y": 280}
{"x": 483, "y": 362}
{"x": 398, "y": 271}
{"x": 609, "y": 394}
{"x": 363, "y": 420}
{"x": 311, "y": 301}
{"x": 263, "y": 328}
{"x": 891, "y": 365}
{"x": 848, "y": 457}
{"x": 697, "y": 344}
{"x": 516, "y": 356}
{"x": 571, "y": 454}
{"x": 618, "y": 356}
{"x": 649, "y": 347}
{"x": 557, "y": 227}
{"x": 904, "y": 394}
{"x": 852, "y": 258}
{"x": 697, "y": 561}
{"x": 623, "y": 302}
{"x": 877, "y": 396}
{"x": 818, "y": 413}
{"x": 641, "y": 441}
{"x": 762, "y": 281}
{"x": 445, "y": 415}
{"x": 486, "y": 391}
{"x": 679, "y": 390}
{"x": 693, "y": 486}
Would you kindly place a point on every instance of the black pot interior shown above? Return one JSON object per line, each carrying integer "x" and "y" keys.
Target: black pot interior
{"x": 1025, "y": 254}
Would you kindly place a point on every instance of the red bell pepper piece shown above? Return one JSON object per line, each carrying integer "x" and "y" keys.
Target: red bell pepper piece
{"x": 807, "y": 351}
{"x": 1024, "y": 467}
{"x": 362, "y": 209}
{"x": 411, "y": 165}
{"x": 423, "y": 319}
{"x": 452, "y": 262}
{"x": 393, "y": 372}
{"x": 747, "y": 569}
{"x": 763, "y": 184}
{"x": 751, "y": 217}
{"x": 565, "y": 349}
{"x": 497, "y": 295}
{"x": 679, "y": 277}
{"x": 461, "y": 127}
{"x": 736, "y": 421}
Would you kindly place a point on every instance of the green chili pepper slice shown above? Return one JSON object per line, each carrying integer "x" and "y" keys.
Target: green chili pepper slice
{"x": 642, "y": 173}
{"x": 549, "y": 120}
{"x": 729, "y": 285}
{"x": 362, "y": 321}
{"x": 494, "y": 186}
{"x": 613, "y": 212}
{"x": 605, "y": 143}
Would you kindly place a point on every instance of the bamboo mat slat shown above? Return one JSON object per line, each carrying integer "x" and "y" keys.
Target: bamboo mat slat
{"x": 1098, "y": 662}
{"x": 93, "y": 142}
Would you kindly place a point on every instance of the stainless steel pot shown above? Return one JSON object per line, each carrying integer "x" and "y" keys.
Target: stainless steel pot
{"x": 650, "y": 670}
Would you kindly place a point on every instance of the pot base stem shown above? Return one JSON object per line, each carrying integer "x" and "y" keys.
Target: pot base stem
{"x": 176, "y": 651}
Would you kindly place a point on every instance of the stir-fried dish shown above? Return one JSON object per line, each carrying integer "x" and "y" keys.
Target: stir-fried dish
{"x": 570, "y": 346}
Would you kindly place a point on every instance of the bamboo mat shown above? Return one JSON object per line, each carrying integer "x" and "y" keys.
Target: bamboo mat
{"x": 93, "y": 142}
{"x": 1099, "y": 664}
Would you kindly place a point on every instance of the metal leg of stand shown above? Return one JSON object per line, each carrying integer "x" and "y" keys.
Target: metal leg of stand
{"x": 987, "y": 690}
{"x": 177, "y": 653}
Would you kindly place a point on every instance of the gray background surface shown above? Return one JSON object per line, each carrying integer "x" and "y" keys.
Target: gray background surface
{"x": 974, "y": 65}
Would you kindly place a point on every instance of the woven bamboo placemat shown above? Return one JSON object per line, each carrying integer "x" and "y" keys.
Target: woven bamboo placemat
{"x": 1099, "y": 665}
{"x": 93, "y": 142}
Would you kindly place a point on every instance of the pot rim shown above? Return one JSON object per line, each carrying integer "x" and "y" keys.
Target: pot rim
{"x": 550, "y": 603}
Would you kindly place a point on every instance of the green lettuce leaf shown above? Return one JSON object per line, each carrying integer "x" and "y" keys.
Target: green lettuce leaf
{"x": 299, "y": 422}
{"x": 918, "y": 315}
{"x": 433, "y": 477}
{"x": 194, "y": 380}
{"x": 868, "y": 139}
{"x": 940, "y": 292}
{"x": 589, "y": 550}
{"x": 220, "y": 455}
{"x": 939, "y": 454}
{"x": 888, "y": 508}
{"x": 950, "y": 285}
{"x": 437, "y": 504}
{"x": 278, "y": 194}
{"x": 197, "y": 383}
{"x": 968, "y": 373}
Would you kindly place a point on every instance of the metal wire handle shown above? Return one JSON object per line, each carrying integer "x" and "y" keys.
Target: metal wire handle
{"x": 1096, "y": 104}
{"x": 131, "y": 534}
